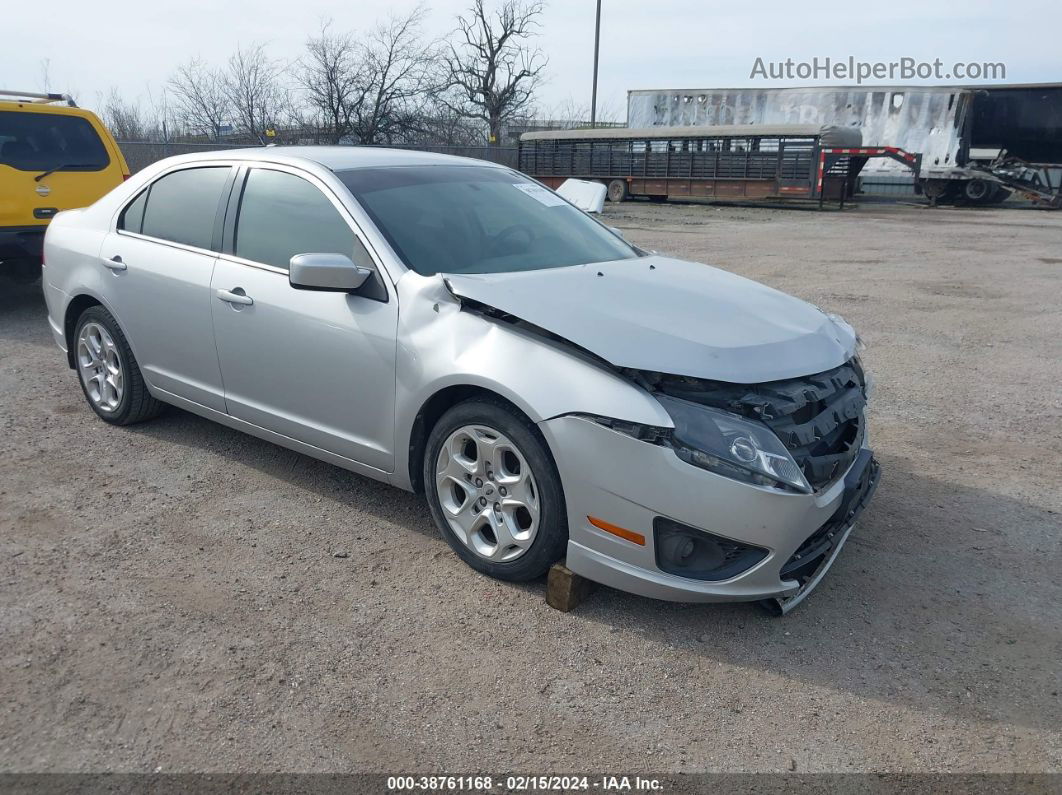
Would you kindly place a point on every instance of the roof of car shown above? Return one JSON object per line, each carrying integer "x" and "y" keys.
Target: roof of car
{"x": 342, "y": 158}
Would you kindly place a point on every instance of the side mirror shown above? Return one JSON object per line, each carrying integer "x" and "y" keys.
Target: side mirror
{"x": 328, "y": 272}
{"x": 617, "y": 232}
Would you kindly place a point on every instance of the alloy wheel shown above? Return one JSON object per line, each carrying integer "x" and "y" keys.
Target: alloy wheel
{"x": 100, "y": 367}
{"x": 487, "y": 493}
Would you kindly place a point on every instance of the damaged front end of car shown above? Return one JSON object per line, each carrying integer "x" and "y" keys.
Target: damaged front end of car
{"x": 794, "y": 472}
{"x": 820, "y": 423}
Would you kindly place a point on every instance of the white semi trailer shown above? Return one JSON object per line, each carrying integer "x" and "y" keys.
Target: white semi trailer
{"x": 978, "y": 143}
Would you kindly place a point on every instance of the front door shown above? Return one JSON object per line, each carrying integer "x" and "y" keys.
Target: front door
{"x": 318, "y": 367}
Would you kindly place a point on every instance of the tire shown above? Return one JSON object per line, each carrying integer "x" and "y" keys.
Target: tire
{"x": 108, "y": 372}
{"x": 938, "y": 190}
{"x": 507, "y": 543}
{"x": 977, "y": 191}
{"x": 617, "y": 190}
{"x": 1000, "y": 196}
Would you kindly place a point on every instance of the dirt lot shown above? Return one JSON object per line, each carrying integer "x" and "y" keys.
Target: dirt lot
{"x": 171, "y": 599}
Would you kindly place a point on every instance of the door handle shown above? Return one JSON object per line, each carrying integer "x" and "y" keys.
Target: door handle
{"x": 115, "y": 263}
{"x": 232, "y": 297}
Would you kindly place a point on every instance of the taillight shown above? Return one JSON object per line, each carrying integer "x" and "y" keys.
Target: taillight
{"x": 125, "y": 177}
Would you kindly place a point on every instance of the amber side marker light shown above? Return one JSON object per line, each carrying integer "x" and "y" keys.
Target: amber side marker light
{"x": 626, "y": 535}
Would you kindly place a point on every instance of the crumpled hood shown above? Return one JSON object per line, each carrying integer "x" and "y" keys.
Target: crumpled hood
{"x": 670, "y": 316}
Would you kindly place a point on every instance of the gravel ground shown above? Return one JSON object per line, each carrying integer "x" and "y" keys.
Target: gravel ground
{"x": 171, "y": 598}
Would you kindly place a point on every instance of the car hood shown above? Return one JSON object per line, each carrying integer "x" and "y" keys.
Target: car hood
{"x": 670, "y": 316}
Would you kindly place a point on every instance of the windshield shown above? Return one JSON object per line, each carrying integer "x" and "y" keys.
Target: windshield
{"x": 43, "y": 141}
{"x": 473, "y": 219}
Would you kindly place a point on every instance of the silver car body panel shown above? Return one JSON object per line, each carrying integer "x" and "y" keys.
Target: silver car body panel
{"x": 313, "y": 366}
{"x": 344, "y": 378}
{"x": 163, "y": 298}
{"x": 442, "y": 345}
{"x": 666, "y": 315}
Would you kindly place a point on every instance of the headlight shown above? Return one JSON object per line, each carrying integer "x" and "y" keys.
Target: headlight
{"x": 729, "y": 445}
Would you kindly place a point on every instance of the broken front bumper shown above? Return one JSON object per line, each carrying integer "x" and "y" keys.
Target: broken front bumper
{"x": 629, "y": 483}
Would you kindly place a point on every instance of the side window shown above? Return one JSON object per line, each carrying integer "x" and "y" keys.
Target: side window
{"x": 282, "y": 215}
{"x": 182, "y": 205}
{"x": 133, "y": 215}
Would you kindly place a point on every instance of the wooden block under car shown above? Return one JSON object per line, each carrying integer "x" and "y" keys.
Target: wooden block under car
{"x": 566, "y": 590}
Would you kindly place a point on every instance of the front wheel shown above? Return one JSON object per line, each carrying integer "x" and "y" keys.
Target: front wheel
{"x": 494, "y": 491}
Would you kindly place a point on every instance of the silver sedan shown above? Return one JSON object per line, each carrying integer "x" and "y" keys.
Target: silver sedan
{"x": 452, "y": 327}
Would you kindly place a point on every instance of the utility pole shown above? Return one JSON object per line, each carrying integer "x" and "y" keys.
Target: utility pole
{"x": 597, "y": 47}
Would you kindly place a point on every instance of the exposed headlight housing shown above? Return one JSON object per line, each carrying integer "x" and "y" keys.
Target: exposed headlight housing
{"x": 733, "y": 446}
{"x": 720, "y": 442}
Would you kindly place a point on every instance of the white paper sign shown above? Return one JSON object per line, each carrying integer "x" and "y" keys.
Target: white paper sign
{"x": 540, "y": 194}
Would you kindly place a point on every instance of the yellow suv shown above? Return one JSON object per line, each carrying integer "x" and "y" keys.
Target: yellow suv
{"x": 53, "y": 156}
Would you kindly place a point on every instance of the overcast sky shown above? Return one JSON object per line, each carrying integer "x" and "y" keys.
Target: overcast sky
{"x": 91, "y": 46}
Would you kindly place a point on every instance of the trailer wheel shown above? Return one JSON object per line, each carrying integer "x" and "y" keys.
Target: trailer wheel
{"x": 1000, "y": 196}
{"x": 617, "y": 190}
{"x": 937, "y": 189}
{"x": 978, "y": 191}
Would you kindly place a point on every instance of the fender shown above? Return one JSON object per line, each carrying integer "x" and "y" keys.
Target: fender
{"x": 441, "y": 344}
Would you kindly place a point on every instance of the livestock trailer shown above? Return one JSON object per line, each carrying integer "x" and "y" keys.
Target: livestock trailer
{"x": 722, "y": 162}
{"x": 977, "y": 142}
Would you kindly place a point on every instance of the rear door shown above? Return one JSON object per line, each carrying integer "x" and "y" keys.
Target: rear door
{"x": 318, "y": 367}
{"x": 161, "y": 257}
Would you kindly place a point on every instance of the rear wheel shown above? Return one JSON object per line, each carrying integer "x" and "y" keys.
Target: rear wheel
{"x": 1000, "y": 196}
{"x": 109, "y": 374}
{"x": 937, "y": 190}
{"x": 978, "y": 191}
{"x": 617, "y": 190}
{"x": 494, "y": 492}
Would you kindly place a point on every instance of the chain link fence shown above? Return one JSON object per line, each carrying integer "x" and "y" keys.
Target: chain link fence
{"x": 139, "y": 154}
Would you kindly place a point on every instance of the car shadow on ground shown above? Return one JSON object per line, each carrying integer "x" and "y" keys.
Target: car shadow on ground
{"x": 944, "y": 597}
{"x": 23, "y": 314}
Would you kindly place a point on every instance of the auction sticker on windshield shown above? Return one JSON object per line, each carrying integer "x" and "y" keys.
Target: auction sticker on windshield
{"x": 537, "y": 192}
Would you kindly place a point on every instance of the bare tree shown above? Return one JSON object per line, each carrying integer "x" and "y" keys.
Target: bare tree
{"x": 252, "y": 86}
{"x": 492, "y": 68}
{"x": 328, "y": 73}
{"x": 570, "y": 114}
{"x": 124, "y": 119}
{"x": 438, "y": 124}
{"x": 395, "y": 73}
{"x": 201, "y": 101}
{"x": 161, "y": 123}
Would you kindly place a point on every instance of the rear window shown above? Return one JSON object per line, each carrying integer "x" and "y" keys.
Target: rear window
{"x": 182, "y": 206}
{"x": 44, "y": 141}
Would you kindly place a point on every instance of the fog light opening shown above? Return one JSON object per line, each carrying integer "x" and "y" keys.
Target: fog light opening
{"x": 700, "y": 555}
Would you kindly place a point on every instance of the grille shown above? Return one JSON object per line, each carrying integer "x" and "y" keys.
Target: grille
{"x": 818, "y": 417}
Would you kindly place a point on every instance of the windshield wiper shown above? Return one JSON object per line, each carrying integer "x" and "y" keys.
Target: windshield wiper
{"x": 39, "y": 177}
